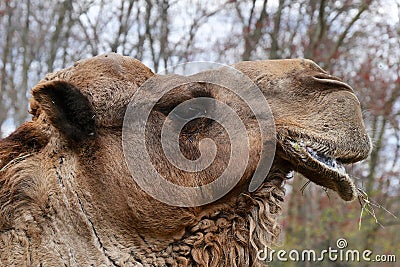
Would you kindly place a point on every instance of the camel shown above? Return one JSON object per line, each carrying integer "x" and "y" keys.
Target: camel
{"x": 67, "y": 197}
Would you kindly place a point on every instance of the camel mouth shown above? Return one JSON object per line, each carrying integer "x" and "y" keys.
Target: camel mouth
{"x": 317, "y": 163}
{"x": 323, "y": 159}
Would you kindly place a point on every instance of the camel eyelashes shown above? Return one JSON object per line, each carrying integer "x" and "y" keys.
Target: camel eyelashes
{"x": 189, "y": 112}
{"x": 190, "y": 115}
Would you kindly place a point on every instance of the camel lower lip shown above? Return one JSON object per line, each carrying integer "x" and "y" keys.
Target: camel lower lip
{"x": 322, "y": 168}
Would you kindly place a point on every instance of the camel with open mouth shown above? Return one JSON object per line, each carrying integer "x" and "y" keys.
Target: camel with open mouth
{"x": 67, "y": 197}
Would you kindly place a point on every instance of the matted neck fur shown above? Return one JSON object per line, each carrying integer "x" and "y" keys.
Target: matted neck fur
{"x": 68, "y": 199}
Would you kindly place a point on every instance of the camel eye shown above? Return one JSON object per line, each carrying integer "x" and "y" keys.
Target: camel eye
{"x": 189, "y": 112}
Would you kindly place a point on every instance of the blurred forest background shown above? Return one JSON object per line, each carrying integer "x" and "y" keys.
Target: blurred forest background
{"x": 358, "y": 40}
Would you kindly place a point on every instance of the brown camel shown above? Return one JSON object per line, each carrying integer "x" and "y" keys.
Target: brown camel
{"x": 67, "y": 197}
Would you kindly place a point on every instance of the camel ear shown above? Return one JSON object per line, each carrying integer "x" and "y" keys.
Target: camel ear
{"x": 67, "y": 109}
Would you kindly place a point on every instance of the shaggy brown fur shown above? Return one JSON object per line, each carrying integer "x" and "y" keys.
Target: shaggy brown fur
{"x": 68, "y": 199}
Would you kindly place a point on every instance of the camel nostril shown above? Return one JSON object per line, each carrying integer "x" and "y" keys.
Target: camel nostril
{"x": 331, "y": 80}
{"x": 323, "y": 76}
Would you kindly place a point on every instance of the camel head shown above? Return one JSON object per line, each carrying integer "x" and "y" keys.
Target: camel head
{"x": 318, "y": 120}
{"x": 69, "y": 189}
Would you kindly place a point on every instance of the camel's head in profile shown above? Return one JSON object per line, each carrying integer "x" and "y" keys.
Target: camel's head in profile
{"x": 68, "y": 194}
{"x": 318, "y": 120}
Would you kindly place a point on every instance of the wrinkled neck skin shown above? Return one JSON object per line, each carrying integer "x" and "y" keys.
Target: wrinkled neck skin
{"x": 63, "y": 225}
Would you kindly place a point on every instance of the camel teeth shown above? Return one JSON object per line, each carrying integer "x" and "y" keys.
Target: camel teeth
{"x": 290, "y": 175}
{"x": 318, "y": 152}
